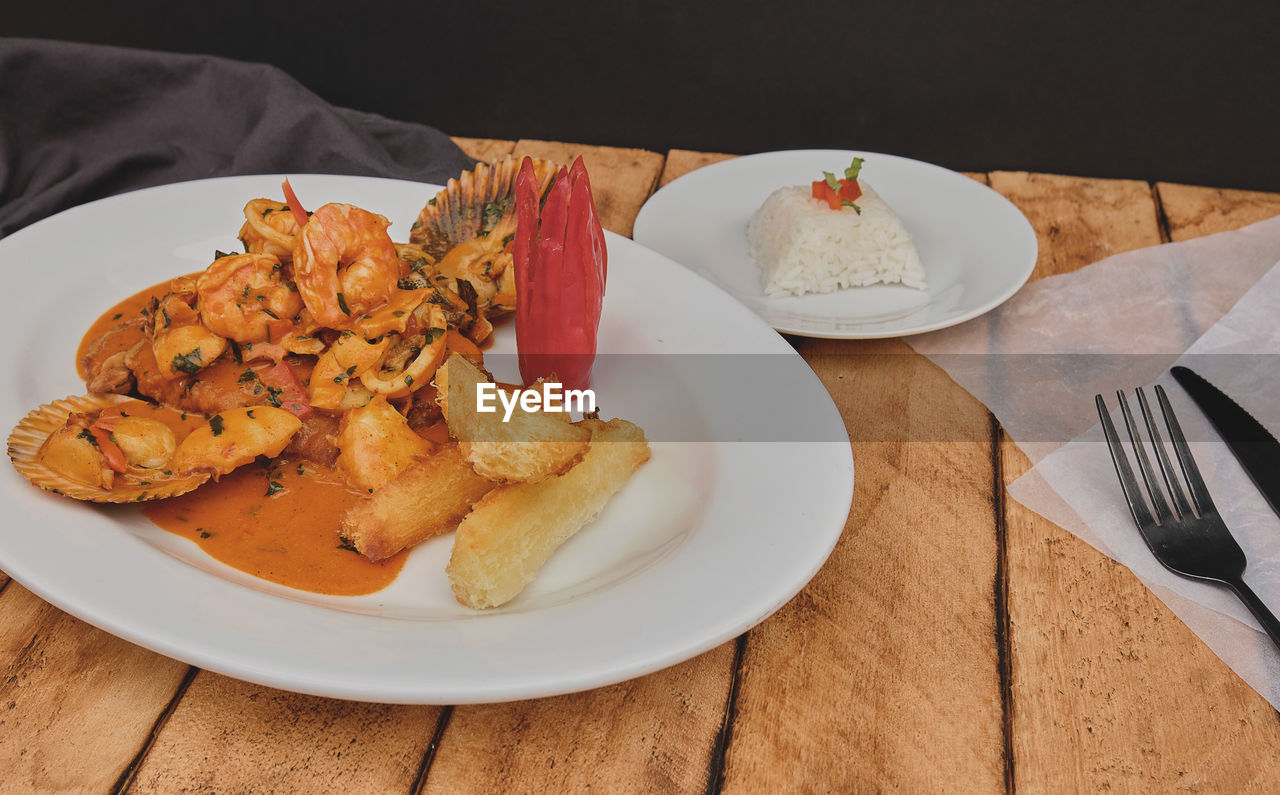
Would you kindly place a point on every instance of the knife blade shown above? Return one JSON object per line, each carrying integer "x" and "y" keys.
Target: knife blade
{"x": 1255, "y": 448}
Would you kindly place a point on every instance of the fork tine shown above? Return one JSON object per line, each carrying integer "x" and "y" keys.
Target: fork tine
{"x": 1199, "y": 492}
{"x": 1171, "y": 480}
{"x": 1132, "y": 491}
{"x": 1163, "y": 512}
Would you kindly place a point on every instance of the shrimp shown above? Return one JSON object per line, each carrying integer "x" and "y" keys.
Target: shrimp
{"x": 244, "y": 297}
{"x": 269, "y": 228}
{"x": 345, "y": 265}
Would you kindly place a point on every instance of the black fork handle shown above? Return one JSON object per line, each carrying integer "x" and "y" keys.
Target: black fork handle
{"x": 1255, "y": 605}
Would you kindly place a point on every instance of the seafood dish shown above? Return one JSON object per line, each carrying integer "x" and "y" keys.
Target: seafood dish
{"x": 834, "y": 234}
{"x": 287, "y": 408}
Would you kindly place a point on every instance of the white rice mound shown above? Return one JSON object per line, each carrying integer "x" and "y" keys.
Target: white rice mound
{"x": 803, "y": 246}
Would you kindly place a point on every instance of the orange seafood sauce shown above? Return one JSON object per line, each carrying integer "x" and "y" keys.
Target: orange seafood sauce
{"x": 277, "y": 519}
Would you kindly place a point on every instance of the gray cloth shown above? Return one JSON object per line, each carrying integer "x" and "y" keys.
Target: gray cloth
{"x": 79, "y": 122}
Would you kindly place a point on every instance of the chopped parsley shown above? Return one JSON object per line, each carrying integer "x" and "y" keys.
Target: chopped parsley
{"x": 274, "y": 487}
{"x": 204, "y": 533}
{"x": 215, "y": 424}
{"x": 189, "y": 363}
{"x": 491, "y": 215}
{"x": 247, "y": 376}
{"x": 342, "y": 304}
{"x": 87, "y": 436}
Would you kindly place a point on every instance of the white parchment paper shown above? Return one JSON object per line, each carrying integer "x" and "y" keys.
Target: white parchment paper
{"x": 1211, "y": 303}
{"x": 1038, "y": 360}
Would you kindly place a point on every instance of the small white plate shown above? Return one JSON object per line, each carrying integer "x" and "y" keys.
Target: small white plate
{"x": 976, "y": 246}
{"x": 705, "y": 541}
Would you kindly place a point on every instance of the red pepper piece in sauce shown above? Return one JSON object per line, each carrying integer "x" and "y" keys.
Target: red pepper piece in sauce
{"x": 300, "y": 216}
{"x": 287, "y": 389}
{"x": 109, "y": 449}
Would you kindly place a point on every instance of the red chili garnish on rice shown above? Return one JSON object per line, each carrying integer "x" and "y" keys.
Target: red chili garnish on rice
{"x": 561, "y": 266}
{"x": 838, "y": 193}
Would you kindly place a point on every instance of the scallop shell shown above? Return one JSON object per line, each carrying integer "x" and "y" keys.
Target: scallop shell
{"x": 457, "y": 212}
{"x": 30, "y": 434}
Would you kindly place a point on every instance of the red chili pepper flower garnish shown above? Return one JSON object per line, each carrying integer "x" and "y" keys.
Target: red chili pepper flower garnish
{"x": 561, "y": 266}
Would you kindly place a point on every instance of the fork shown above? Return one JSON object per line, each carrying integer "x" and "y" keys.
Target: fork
{"x": 1188, "y": 537}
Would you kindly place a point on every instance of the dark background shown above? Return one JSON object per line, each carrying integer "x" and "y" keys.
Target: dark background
{"x": 1176, "y": 91}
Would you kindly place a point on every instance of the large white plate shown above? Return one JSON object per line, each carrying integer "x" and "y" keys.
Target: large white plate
{"x": 704, "y": 542}
{"x": 977, "y": 248}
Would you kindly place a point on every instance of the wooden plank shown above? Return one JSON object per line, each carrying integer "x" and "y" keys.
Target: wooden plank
{"x": 621, "y": 179}
{"x": 1194, "y": 212}
{"x": 228, "y": 735}
{"x": 653, "y": 734}
{"x": 1110, "y": 690}
{"x": 1079, "y": 221}
{"x": 682, "y": 161}
{"x": 486, "y": 149}
{"x": 76, "y": 704}
{"x": 883, "y": 674}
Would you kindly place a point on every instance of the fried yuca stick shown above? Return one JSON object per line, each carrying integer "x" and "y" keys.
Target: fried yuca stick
{"x": 426, "y": 499}
{"x": 511, "y": 532}
{"x": 530, "y": 447}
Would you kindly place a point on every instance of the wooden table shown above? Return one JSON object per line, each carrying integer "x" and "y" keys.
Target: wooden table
{"x": 954, "y": 640}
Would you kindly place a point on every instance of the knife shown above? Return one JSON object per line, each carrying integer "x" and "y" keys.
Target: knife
{"x": 1257, "y": 450}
